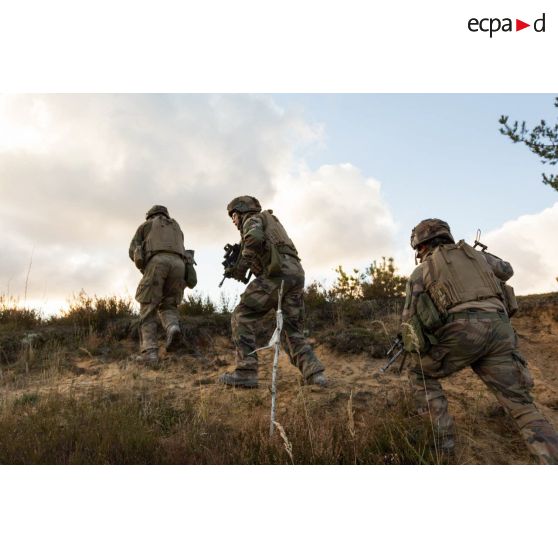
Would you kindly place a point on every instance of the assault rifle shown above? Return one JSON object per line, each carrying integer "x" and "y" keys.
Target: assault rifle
{"x": 394, "y": 352}
{"x": 230, "y": 261}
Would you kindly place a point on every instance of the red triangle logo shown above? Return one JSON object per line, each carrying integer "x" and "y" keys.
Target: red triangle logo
{"x": 519, "y": 25}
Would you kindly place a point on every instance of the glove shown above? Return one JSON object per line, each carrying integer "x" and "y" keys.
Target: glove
{"x": 256, "y": 268}
{"x": 253, "y": 263}
{"x": 238, "y": 272}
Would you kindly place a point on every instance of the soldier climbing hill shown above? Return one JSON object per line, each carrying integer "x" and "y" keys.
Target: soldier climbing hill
{"x": 268, "y": 252}
{"x": 158, "y": 251}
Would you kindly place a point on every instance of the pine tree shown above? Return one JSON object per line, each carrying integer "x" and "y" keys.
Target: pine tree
{"x": 541, "y": 140}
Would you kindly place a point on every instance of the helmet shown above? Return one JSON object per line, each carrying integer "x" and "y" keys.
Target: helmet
{"x": 244, "y": 204}
{"x": 157, "y": 209}
{"x": 429, "y": 229}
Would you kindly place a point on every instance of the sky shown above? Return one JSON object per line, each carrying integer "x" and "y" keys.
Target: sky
{"x": 78, "y": 172}
{"x": 348, "y": 175}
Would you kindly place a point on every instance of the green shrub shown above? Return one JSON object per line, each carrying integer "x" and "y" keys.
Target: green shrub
{"x": 380, "y": 280}
{"x": 195, "y": 304}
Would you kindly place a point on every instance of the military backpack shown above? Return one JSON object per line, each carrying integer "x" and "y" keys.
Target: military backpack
{"x": 164, "y": 236}
{"x": 278, "y": 241}
{"x": 457, "y": 273}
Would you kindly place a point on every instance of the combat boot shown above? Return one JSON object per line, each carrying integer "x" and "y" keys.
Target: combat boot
{"x": 148, "y": 357}
{"x": 174, "y": 338}
{"x": 316, "y": 379}
{"x": 240, "y": 378}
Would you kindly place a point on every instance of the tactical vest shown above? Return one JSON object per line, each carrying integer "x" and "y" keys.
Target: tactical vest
{"x": 457, "y": 273}
{"x": 164, "y": 236}
{"x": 276, "y": 235}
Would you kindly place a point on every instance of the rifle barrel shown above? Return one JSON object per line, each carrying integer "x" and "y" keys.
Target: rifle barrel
{"x": 392, "y": 360}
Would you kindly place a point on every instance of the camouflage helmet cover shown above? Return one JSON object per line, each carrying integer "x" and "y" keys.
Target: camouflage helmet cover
{"x": 244, "y": 204}
{"x": 429, "y": 229}
{"x": 157, "y": 209}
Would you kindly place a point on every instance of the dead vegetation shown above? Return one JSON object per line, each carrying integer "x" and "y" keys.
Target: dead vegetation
{"x": 70, "y": 393}
{"x": 148, "y": 427}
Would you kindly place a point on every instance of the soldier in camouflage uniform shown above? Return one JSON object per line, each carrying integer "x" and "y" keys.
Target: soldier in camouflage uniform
{"x": 456, "y": 315}
{"x": 158, "y": 251}
{"x": 268, "y": 252}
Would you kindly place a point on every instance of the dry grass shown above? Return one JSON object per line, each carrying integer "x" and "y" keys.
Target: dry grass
{"x": 14, "y": 316}
{"x": 96, "y": 313}
{"x": 135, "y": 426}
{"x": 132, "y": 421}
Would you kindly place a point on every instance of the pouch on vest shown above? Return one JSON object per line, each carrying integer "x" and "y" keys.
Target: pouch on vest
{"x": 278, "y": 241}
{"x": 510, "y": 302}
{"x": 428, "y": 313}
{"x": 190, "y": 275}
{"x": 139, "y": 258}
{"x": 274, "y": 267}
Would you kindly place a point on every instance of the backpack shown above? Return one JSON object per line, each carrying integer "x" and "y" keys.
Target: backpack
{"x": 164, "y": 236}
{"x": 278, "y": 241}
{"x": 457, "y": 273}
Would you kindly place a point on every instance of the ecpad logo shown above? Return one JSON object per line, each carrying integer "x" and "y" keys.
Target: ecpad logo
{"x": 493, "y": 25}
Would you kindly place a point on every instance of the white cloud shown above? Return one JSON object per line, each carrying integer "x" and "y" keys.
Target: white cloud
{"x": 336, "y": 216}
{"x": 109, "y": 157}
{"x": 528, "y": 243}
{"x": 78, "y": 172}
{"x": 82, "y": 170}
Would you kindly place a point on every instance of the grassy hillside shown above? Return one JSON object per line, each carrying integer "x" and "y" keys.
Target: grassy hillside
{"x": 70, "y": 391}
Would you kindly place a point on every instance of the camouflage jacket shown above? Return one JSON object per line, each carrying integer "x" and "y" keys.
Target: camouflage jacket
{"x": 256, "y": 251}
{"x": 139, "y": 237}
{"x": 253, "y": 246}
{"x": 415, "y": 286}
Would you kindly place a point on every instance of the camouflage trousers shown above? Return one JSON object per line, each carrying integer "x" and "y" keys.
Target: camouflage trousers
{"x": 257, "y": 300}
{"x": 487, "y": 343}
{"x": 159, "y": 292}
